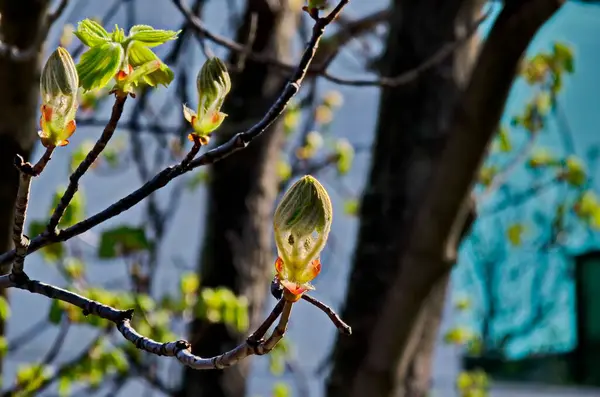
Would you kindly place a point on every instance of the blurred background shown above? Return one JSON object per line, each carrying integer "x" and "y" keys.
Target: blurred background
{"x": 518, "y": 313}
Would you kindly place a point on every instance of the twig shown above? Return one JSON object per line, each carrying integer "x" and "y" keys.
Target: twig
{"x": 84, "y": 166}
{"x": 333, "y": 316}
{"x": 237, "y": 142}
{"x": 26, "y": 172}
{"x": 54, "y": 15}
{"x": 410, "y": 75}
{"x": 20, "y": 240}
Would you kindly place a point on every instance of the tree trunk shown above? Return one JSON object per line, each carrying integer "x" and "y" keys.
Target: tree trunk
{"x": 237, "y": 250}
{"x": 390, "y": 296}
{"x": 409, "y": 139}
{"x": 19, "y": 85}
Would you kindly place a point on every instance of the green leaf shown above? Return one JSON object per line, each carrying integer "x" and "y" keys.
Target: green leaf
{"x": 514, "y": 233}
{"x": 351, "y": 207}
{"x": 345, "y": 153}
{"x": 74, "y": 267}
{"x": 55, "y": 313}
{"x": 542, "y": 157}
{"x": 564, "y": 55}
{"x": 574, "y": 173}
{"x": 281, "y": 389}
{"x": 80, "y": 154}
{"x": 189, "y": 283}
{"x": 98, "y": 65}
{"x": 284, "y": 170}
{"x": 3, "y": 346}
{"x": 151, "y": 37}
{"x": 118, "y": 35}
{"x": 51, "y": 253}
{"x": 4, "y": 308}
{"x": 122, "y": 240}
{"x": 64, "y": 386}
{"x": 504, "y": 140}
{"x": 91, "y": 33}
{"x": 138, "y": 55}
{"x": 200, "y": 177}
{"x": 75, "y": 211}
{"x": 543, "y": 101}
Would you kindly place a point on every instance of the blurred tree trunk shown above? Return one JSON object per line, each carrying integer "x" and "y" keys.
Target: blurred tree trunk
{"x": 19, "y": 84}
{"x": 237, "y": 250}
{"x": 431, "y": 137}
{"x": 409, "y": 139}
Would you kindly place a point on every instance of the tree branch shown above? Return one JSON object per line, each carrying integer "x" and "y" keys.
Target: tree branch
{"x": 237, "y": 142}
{"x": 26, "y": 172}
{"x": 255, "y": 344}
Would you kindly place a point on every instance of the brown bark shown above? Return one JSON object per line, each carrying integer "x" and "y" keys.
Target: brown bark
{"x": 409, "y": 139}
{"x": 237, "y": 250}
{"x": 422, "y": 247}
{"x": 19, "y": 85}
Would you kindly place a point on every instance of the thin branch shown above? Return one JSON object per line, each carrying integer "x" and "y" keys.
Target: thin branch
{"x": 333, "y": 316}
{"x": 322, "y": 62}
{"x": 410, "y": 75}
{"x": 54, "y": 15}
{"x": 237, "y": 142}
{"x": 26, "y": 172}
{"x": 84, "y": 166}
{"x": 20, "y": 240}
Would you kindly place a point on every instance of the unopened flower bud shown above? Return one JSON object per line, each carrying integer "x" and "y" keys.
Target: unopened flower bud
{"x": 213, "y": 85}
{"x": 58, "y": 87}
{"x": 302, "y": 223}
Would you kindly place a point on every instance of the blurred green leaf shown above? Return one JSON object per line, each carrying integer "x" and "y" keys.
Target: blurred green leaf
{"x": 3, "y": 346}
{"x": 199, "y": 177}
{"x": 75, "y": 211}
{"x": 564, "y": 55}
{"x": 4, "y": 309}
{"x": 64, "y": 386}
{"x": 514, "y": 233}
{"x": 51, "y": 253}
{"x": 281, "y": 389}
{"x": 284, "y": 170}
{"x": 79, "y": 154}
{"x": 504, "y": 140}
{"x": 351, "y": 207}
{"x": 189, "y": 283}
{"x": 345, "y": 152}
{"x": 122, "y": 240}
{"x": 55, "y": 313}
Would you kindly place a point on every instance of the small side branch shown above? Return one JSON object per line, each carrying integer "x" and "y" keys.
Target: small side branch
{"x": 20, "y": 240}
{"x": 333, "y": 316}
{"x": 26, "y": 172}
